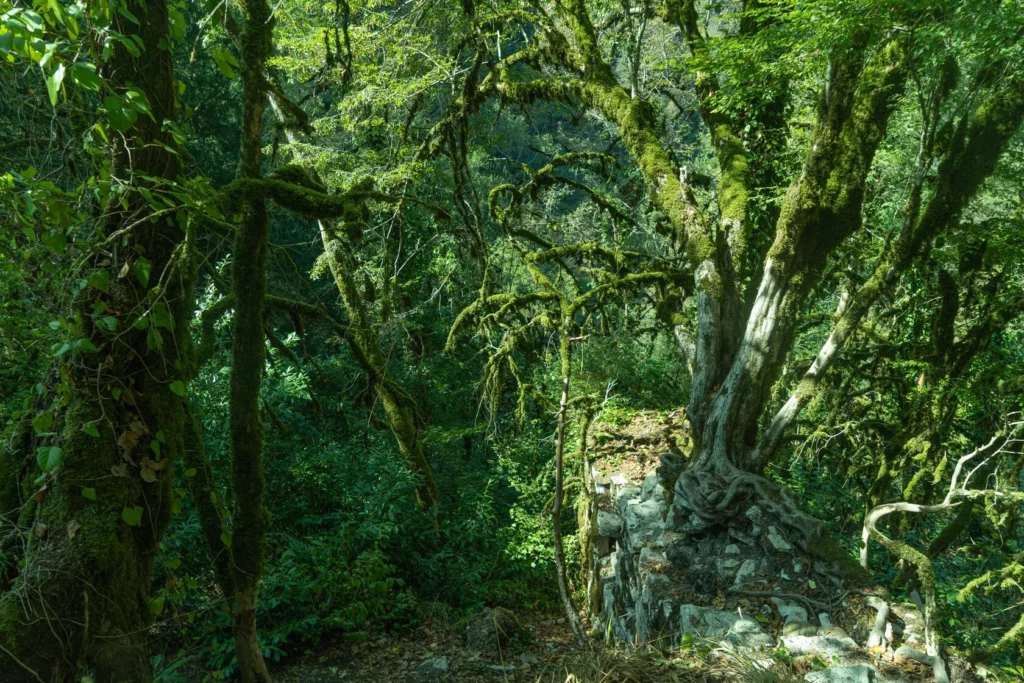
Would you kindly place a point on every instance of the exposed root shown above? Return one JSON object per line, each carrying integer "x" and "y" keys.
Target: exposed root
{"x": 881, "y": 607}
{"x": 716, "y": 492}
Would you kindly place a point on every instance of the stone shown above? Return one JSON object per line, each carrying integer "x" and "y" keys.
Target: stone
{"x": 790, "y": 611}
{"x": 502, "y": 668}
{"x": 731, "y": 549}
{"x": 755, "y": 514}
{"x": 652, "y": 489}
{"x": 432, "y": 668}
{"x": 491, "y": 629}
{"x": 727, "y": 566}
{"x": 746, "y": 573}
{"x": 627, "y": 497}
{"x": 825, "y": 620}
{"x": 824, "y": 644}
{"x": 527, "y": 658}
{"x": 778, "y": 541}
{"x": 609, "y": 524}
{"x": 644, "y": 522}
{"x": 747, "y": 634}
{"x": 857, "y": 673}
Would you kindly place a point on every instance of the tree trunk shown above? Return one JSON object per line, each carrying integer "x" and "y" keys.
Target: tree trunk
{"x": 250, "y": 518}
{"x": 81, "y": 604}
{"x": 556, "y": 517}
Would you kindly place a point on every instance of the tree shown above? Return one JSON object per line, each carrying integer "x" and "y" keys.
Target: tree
{"x": 108, "y": 422}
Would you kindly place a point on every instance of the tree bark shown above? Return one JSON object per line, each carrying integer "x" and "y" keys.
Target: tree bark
{"x": 250, "y": 519}
{"x": 81, "y": 604}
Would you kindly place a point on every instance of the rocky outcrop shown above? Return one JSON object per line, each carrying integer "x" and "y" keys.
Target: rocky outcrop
{"x": 662, "y": 576}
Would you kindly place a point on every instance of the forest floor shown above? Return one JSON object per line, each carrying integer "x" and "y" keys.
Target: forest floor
{"x": 435, "y": 652}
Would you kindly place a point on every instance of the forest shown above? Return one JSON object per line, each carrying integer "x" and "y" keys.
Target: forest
{"x": 533, "y": 341}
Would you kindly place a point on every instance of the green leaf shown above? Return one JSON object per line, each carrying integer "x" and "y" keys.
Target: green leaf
{"x": 121, "y": 117}
{"x": 225, "y": 60}
{"x": 173, "y": 564}
{"x": 42, "y": 422}
{"x": 53, "y": 83}
{"x": 83, "y": 74}
{"x": 116, "y": 393}
{"x": 190, "y": 472}
{"x": 85, "y": 345}
{"x": 100, "y": 280}
{"x": 58, "y": 242}
{"x": 160, "y": 436}
{"x": 110, "y": 322}
{"x": 142, "y": 268}
{"x": 156, "y": 605}
{"x": 49, "y": 457}
{"x": 225, "y": 538}
{"x": 154, "y": 445}
{"x": 60, "y": 349}
{"x": 92, "y": 431}
{"x": 128, "y": 15}
{"x": 132, "y": 516}
{"x": 89, "y": 494}
{"x": 162, "y": 316}
{"x": 178, "y": 387}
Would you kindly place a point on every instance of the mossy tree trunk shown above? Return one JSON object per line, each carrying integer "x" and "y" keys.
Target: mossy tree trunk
{"x": 399, "y": 407}
{"x": 81, "y": 605}
{"x": 250, "y": 518}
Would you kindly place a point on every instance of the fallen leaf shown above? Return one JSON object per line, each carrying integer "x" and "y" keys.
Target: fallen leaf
{"x": 39, "y": 529}
{"x": 128, "y": 440}
{"x": 73, "y": 527}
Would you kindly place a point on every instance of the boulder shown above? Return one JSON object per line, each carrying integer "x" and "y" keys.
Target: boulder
{"x": 730, "y": 627}
{"x": 491, "y": 630}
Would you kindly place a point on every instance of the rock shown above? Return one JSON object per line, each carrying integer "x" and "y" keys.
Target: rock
{"x": 432, "y": 668}
{"x": 728, "y": 626}
{"x": 777, "y": 540}
{"x": 748, "y": 634}
{"x": 858, "y": 673}
{"x": 645, "y": 522}
{"x": 825, "y": 645}
{"x": 491, "y": 629}
{"x": 527, "y": 658}
{"x": 790, "y": 611}
{"x": 746, "y": 573}
{"x": 825, "y": 620}
{"x": 609, "y": 524}
{"x": 755, "y": 514}
{"x": 651, "y": 489}
{"x": 727, "y": 566}
{"x": 731, "y": 549}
